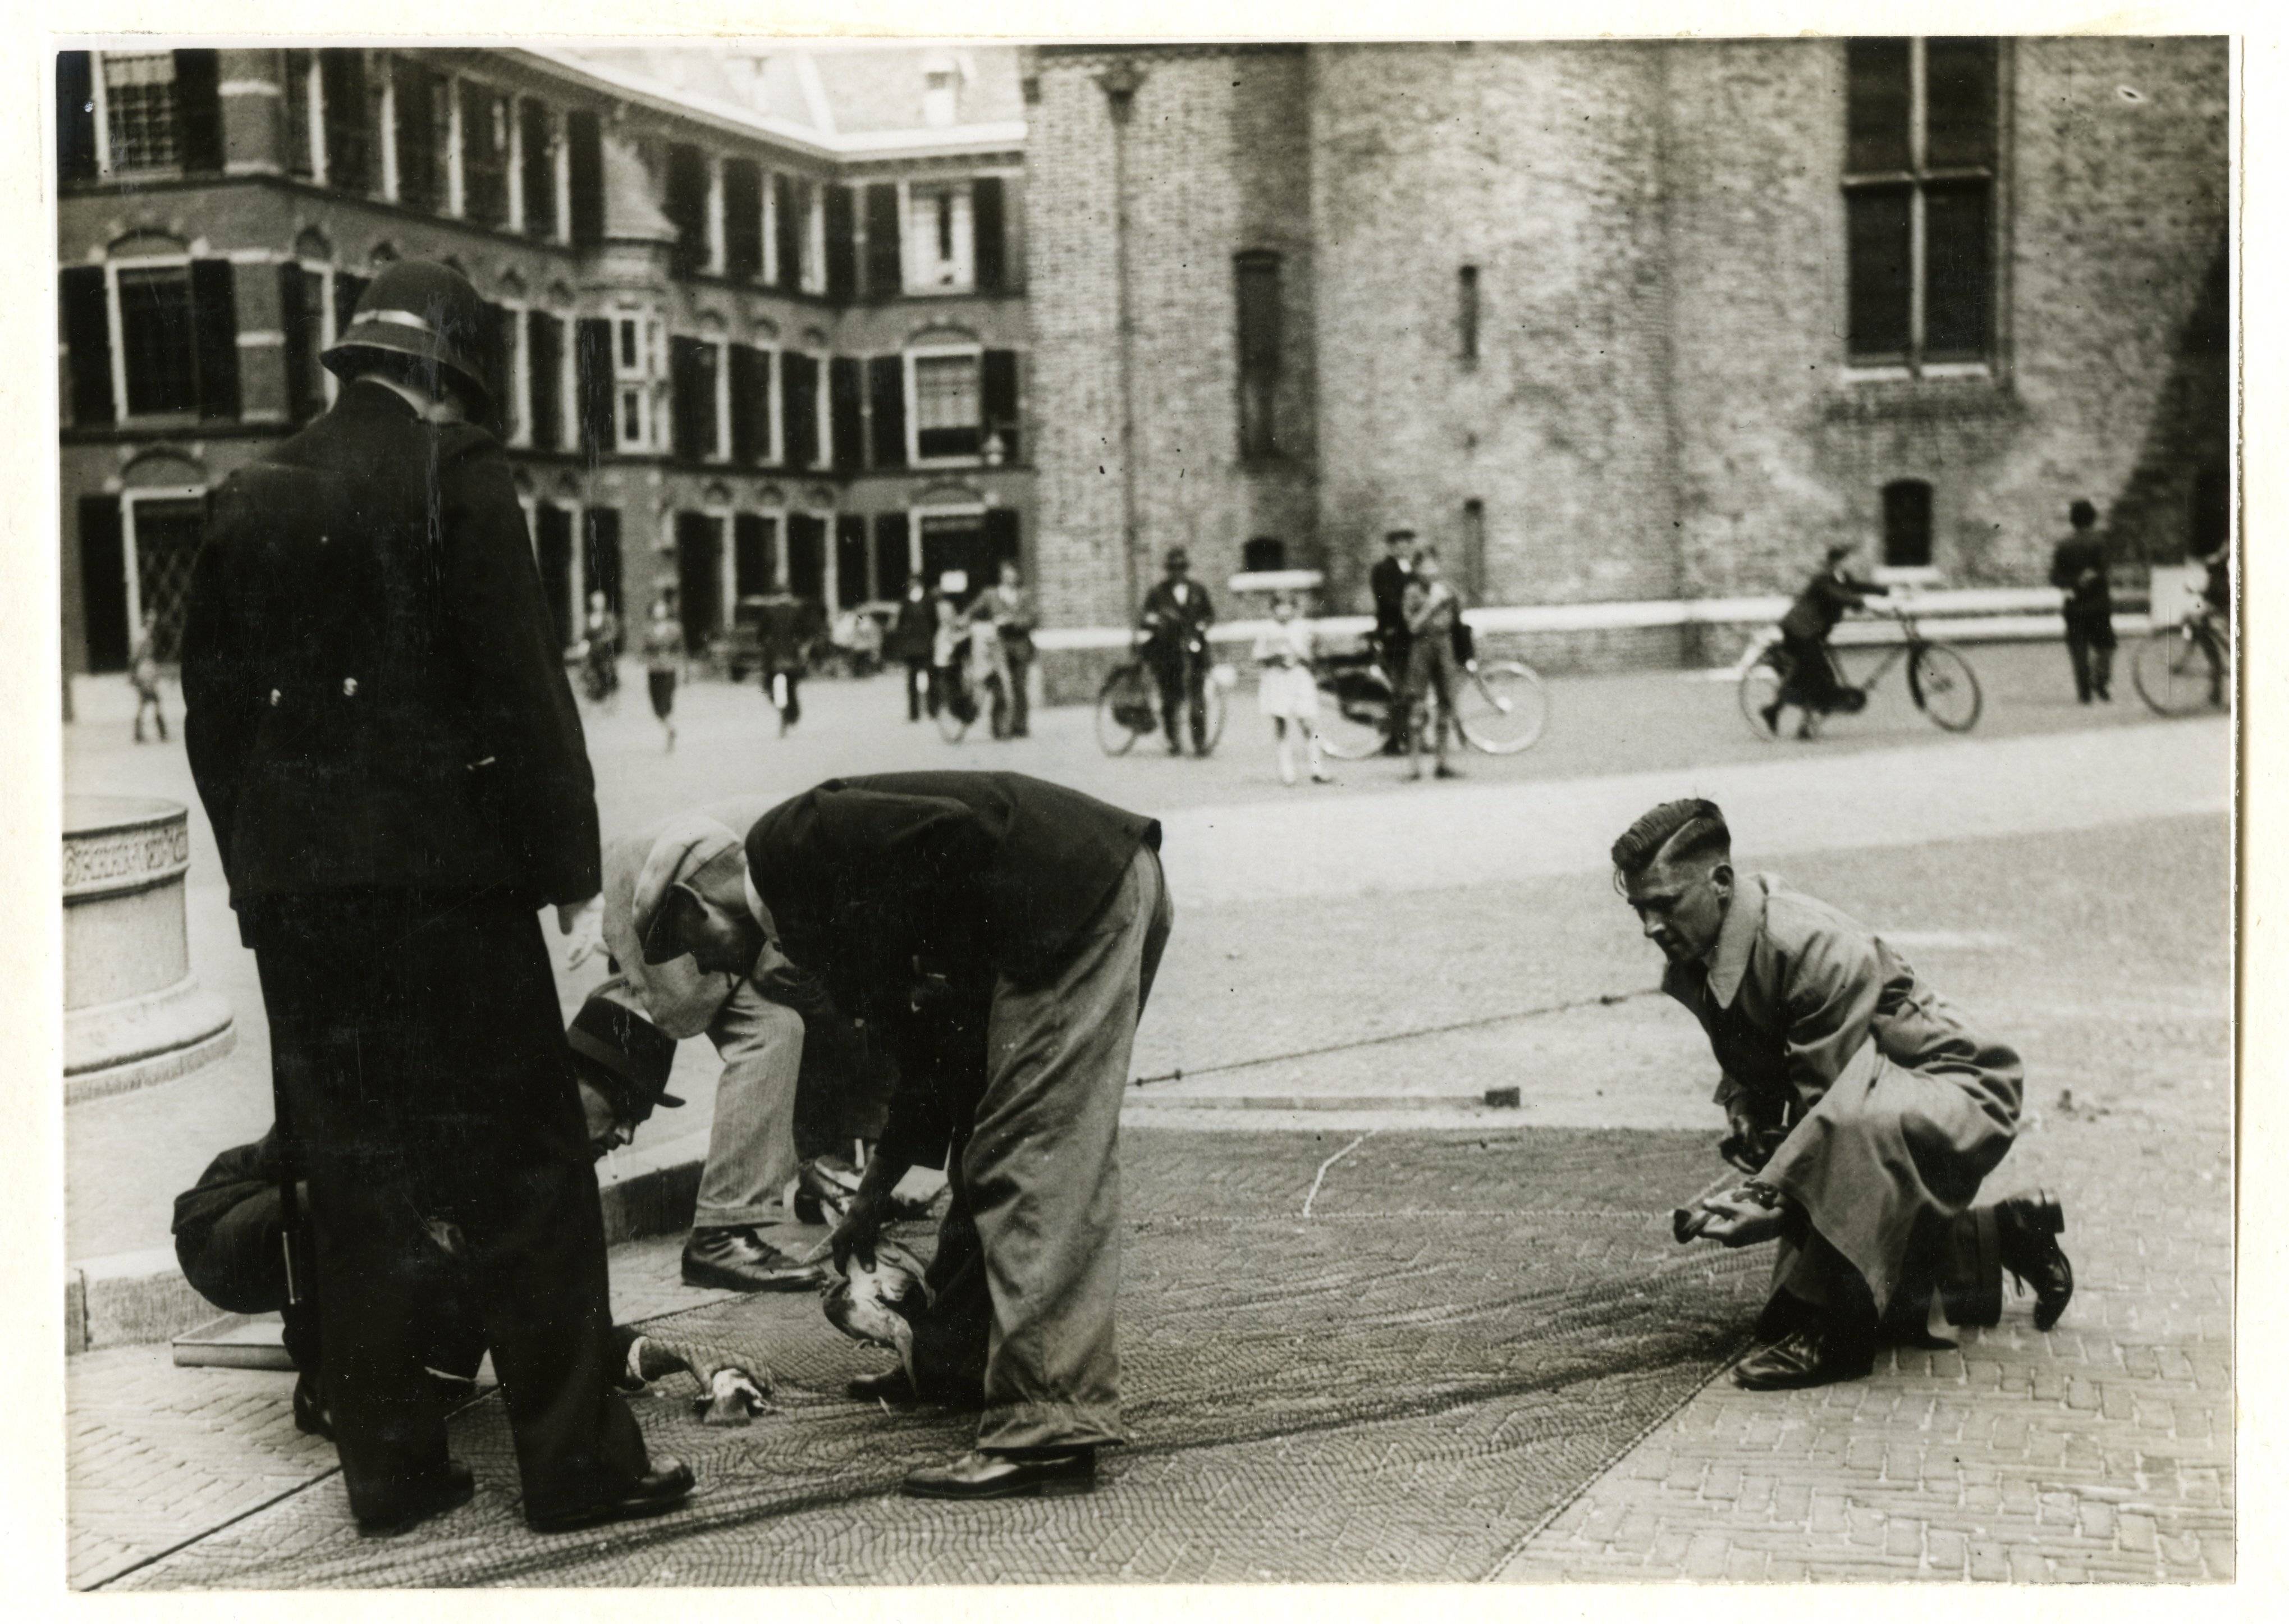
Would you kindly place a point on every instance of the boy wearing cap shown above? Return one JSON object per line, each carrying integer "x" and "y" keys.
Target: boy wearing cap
{"x": 1003, "y": 934}
{"x": 380, "y": 727}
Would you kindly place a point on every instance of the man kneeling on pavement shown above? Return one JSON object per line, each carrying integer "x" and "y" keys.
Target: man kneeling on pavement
{"x": 1001, "y": 934}
{"x": 244, "y": 1249}
{"x": 1864, "y": 1109}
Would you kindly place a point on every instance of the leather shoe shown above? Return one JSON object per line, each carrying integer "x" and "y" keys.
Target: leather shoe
{"x": 984, "y": 1474}
{"x": 2026, "y": 1234}
{"x": 452, "y": 1486}
{"x": 310, "y": 1413}
{"x": 741, "y": 1261}
{"x": 1809, "y": 1357}
{"x": 663, "y": 1488}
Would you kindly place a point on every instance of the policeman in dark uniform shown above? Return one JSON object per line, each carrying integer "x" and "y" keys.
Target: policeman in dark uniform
{"x": 381, "y": 731}
{"x": 1176, "y": 619}
{"x": 1387, "y": 583}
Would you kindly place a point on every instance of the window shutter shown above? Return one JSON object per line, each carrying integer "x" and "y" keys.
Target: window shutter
{"x": 585, "y": 162}
{"x": 686, "y": 207}
{"x": 998, "y": 397}
{"x": 851, "y": 587}
{"x": 743, "y": 219}
{"x": 349, "y": 141}
{"x": 87, "y": 332}
{"x": 600, "y": 552}
{"x": 744, "y": 386}
{"x": 545, "y": 361}
{"x": 198, "y": 111}
{"x": 798, "y": 390}
{"x": 885, "y": 276}
{"x": 1000, "y": 537}
{"x": 552, "y": 541}
{"x": 840, "y": 207}
{"x": 103, "y": 583}
{"x": 74, "y": 116}
{"x": 892, "y": 561}
{"x": 349, "y": 289}
{"x": 294, "y": 320}
{"x": 592, "y": 354}
{"x": 752, "y": 565}
{"x": 214, "y": 329}
{"x": 990, "y": 256}
{"x": 886, "y": 381}
{"x": 806, "y": 555}
{"x": 846, "y": 394}
{"x": 537, "y": 157}
{"x": 792, "y": 228}
{"x": 683, "y": 387}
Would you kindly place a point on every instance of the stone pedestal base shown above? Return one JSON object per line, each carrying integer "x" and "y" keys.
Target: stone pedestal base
{"x": 133, "y": 1012}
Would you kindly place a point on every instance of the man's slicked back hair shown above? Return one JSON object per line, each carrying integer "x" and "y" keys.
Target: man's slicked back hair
{"x": 1671, "y": 832}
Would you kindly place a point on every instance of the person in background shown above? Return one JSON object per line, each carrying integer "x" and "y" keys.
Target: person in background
{"x": 782, "y": 627}
{"x": 1865, "y": 1110}
{"x": 2078, "y": 568}
{"x": 988, "y": 673}
{"x": 949, "y": 640}
{"x": 1288, "y": 689}
{"x": 2217, "y": 594}
{"x": 1432, "y": 609}
{"x": 1014, "y": 616}
{"x": 1176, "y": 619}
{"x": 1388, "y": 582}
{"x": 663, "y": 657}
{"x": 909, "y": 645}
{"x": 143, "y": 672}
{"x": 1805, "y": 629}
{"x": 602, "y": 633}
{"x": 392, "y": 766}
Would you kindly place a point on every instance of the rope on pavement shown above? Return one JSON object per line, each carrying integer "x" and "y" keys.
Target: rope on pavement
{"x": 1602, "y": 1000}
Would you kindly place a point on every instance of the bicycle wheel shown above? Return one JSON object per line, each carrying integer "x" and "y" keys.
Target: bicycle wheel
{"x": 1355, "y": 715}
{"x": 2173, "y": 672}
{"x": 1212, "y": 713}
{"x": 956, "y": 712}
{"x": 1124, "y": 710}
{"x": 1501, "y": 708}
{"x": 1945, "y": 687}
{"x": 1760, "y": 690}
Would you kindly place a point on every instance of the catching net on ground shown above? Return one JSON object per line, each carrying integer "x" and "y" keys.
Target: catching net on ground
{"x": 1403, "y": 1385}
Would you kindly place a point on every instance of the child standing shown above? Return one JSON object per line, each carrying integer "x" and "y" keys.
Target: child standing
{"x": 1287, "y": 691}
{"x": 143, "y": 671}
{"x": 664, "y": 662}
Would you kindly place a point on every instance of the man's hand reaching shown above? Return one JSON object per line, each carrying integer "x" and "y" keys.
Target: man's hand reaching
{"x": 860, "y": 1228}
{"x": 584, "y": 923}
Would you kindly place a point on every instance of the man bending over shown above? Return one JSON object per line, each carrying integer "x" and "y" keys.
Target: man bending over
{"x": 1863, "y": 1109}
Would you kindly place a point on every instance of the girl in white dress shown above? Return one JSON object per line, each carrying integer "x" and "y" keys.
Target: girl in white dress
{"x": 1287, "y": 691}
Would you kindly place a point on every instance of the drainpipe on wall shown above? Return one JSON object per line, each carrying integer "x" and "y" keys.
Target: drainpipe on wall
{"x": 1120, "y": 83}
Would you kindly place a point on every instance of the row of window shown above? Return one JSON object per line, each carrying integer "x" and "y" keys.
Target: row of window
{"x": 159, "y": 338}
{"x": 396, "y": 127}
{"x": 837, "y": 560}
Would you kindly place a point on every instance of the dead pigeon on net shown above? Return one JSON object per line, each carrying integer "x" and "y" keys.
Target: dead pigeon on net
{"x": 877, "y": 1303}
{"x": 734, "y": 1389}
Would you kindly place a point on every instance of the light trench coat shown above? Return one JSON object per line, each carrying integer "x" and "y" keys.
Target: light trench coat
{"x": 1897, "y": 1109}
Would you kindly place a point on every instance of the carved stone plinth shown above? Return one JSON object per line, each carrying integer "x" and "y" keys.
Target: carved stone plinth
{"x": 133, "y": 1012}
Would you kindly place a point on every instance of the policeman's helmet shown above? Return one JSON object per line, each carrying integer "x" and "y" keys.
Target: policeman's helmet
{"x": 421, "y": 309}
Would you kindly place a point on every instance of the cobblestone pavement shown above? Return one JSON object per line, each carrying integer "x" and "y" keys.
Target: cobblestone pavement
{"x": 2102, "y": 1452}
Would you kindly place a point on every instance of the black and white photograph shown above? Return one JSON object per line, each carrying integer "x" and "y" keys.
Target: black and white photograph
{"x": 883, "y": 810}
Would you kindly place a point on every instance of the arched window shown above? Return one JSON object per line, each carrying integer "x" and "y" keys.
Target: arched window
{"x": 1907, "y": 524}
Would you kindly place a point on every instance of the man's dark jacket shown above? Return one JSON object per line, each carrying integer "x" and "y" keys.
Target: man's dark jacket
{"x": 1170, "y": 624}
{"x": 911, "y": 893}
{"x": 373, "y": 699}
{"x": 1388, "y": 582}
{"x": 2074, "y": 557}
{"x": 1823, "y": 602}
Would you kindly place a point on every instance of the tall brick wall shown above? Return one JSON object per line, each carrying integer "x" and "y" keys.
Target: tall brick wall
{"x": 2114, "y": 211}
{"x": 1661, "y": 403}
{"x": 1538, "y": 165}
{"x": 1215, "y": 166}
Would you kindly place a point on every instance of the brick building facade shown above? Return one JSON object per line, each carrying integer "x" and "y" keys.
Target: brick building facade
{"x": 757, "y": 313}
{"x": 1627, "y": 320}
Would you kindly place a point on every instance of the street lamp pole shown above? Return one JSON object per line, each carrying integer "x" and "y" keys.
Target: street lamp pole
{"x": 1120, "y": 83}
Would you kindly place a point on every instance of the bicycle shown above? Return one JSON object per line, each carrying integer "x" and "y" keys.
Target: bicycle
{"x": 1940, "y": 681}
{"x": 1129, "y": 701}
{"x": 1501, "y": 707}
{"x": 2185, "y": 668}
{"x": 960, "y": 703}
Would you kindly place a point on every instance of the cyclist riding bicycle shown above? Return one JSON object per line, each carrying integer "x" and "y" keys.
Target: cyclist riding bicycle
{"x": 1811, "y": 680}
{"x": 1175, "y": 620}
{"x": 2217, "y": 599}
